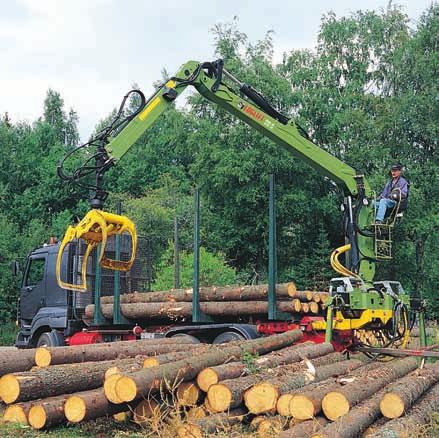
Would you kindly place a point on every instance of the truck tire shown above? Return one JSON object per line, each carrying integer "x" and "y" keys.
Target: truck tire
{"x": 225, "y": 337}
{"x": 194, "y": 339}
{"x": 50, "y": 339}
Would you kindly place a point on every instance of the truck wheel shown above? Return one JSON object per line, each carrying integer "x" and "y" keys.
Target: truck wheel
{"x": 228, "y": 337}
{"x": 186, "y": 336}
{"x": 50, "y": 339}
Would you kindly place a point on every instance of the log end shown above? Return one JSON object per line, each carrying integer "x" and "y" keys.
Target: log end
{"x": 391, "y": 406}
{"x": 334, "y": 405}
{"x": 144, "y": 411}
{"x": 283, "y": 405}
{"x": 196, "y": 413}
{"x": 206, "y": 378}
{"x": 150, "y": 362}
{"x": 15, "y": 414}
{"x": 219, "y": 397}
{"x": 301, "y": 408}
{"x": 126, "y": 389}
{"x": 261, "y": 398}
{"x": 122, "y": 417}
{"x": 43, "y": 358}
{"x": 292, "y": 289}
{"x": 111, "y": 371}
{"x": 75, "y": 409}
{"x": 37, "y": 417}
{"x": 9, "y": 388}
{"x": 187, "y": 394}
{"x": 110, "y": 389}
{"x": 189, "y": 430}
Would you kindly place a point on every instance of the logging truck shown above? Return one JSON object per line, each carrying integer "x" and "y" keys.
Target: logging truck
{"x": 357, "y": 302}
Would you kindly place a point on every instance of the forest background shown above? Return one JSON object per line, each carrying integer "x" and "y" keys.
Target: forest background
{"x": 368, "y": 93}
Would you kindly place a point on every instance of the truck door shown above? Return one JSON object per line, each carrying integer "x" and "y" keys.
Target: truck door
{"x": 33, "y": 288}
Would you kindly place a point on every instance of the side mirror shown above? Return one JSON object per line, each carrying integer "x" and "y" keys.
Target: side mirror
{"x": 15, "y": 267}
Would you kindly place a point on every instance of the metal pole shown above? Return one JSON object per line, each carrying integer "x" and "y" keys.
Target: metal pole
{"x": 196, "y": 282}
{"x": 176, "y": 256}
{"x": 272, "y": 262}
{"x": 422, "y": 331}
{"x": 328, "y": 332}
{"x": 98, "y": 319}
{"x": 116, "y": 294}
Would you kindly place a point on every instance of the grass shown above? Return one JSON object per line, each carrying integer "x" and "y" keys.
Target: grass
{"x": 8, "y": 333}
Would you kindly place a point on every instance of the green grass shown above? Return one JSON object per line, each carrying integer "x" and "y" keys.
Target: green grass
{"x": 8, "y": 333}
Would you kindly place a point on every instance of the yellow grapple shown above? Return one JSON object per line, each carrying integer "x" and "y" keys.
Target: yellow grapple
{"x": 94, "y": 229}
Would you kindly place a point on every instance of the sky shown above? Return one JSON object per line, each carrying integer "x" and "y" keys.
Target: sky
{"x": 92, "y": 51}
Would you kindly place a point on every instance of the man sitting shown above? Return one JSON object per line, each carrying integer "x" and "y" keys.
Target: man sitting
{"x": 396, "y": 190}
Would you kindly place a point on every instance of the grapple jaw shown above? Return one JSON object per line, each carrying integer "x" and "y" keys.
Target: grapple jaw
{"x": 94, "y": 229}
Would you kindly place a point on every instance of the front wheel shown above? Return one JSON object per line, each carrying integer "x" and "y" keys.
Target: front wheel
{"x": 228, "y": 337}
{"x": 50, "y": 339}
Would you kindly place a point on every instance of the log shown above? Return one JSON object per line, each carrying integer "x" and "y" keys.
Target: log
{"x": 13, "y": 361}
{"x": 56, "y": 380}
{"x": 307, "y": 403}
{"x": 179, "y": 310}
{"x": 212, "y": 293}
{"x": 263, "y": 396}
{"x": 314, "y": 307}
{"x": 297, "y": 305}
{"x": 162, "y": 359}
{"x": 271, "y": 426}
{"x": 338, "y": 403}
{"x": 295, "y": 353}
{"x": 229, "y": 393}
{"x": 305, "y": 429}
{"x": 354, "y": 422}
{"x": 122, "y": 417}
{"x": 211, "y": 424}
{"x": 145, "y": 410}
{"x": 305, "y": 308}
{"x": 141, "y": 383}
{"x": 418, "y": 415}
{"x": 188, "y": 394}
{"x": 301, "y": 295}
{"x": 125, "y": 366}
{"x": 401, "y": 395}
{"x": 88, "y": 405}
{"x": 196, "y": 412}
{"x": 45, "y": 356}
{"x": 47, "y": 412}
{"x": 17, "y": 413}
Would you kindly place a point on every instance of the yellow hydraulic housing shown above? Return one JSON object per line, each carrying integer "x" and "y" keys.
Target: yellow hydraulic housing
{"x": 94, "y": 229}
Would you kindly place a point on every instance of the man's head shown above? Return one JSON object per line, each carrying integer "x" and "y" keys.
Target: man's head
{"x": 396, "y": 170}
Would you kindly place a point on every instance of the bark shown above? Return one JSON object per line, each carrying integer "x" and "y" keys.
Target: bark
{"x": 212, "y": 293}
{"x": 210, "y": 424}
{"x": 45, "y": 356}
{"x": 354, "y": 422}
{"x": 162, "y": 359}
{"x": 17, "y": 413}
{"x": 307, "y": 403}
{"x": 55, "y": 380}
{"x": 305, "y": 429}
{"x": 403, "y": 393}
{"x": 13, "y": 361}
{"x": 188, "y": 394}
{"x": 179, "y": 310}
{"x": 418, "y": 415}
{"x": 263, "y": 397}
{"x": 88, "y": 405}
{"x": 47, "y": 412}
{"x": 295, "y": 353}
{"x": 302, "y": 295}
{"x": 141, "y": 383}
{"x": 229, "y": 393}
{"x": 124, "y": 365}
{"x": 338, "y": 403}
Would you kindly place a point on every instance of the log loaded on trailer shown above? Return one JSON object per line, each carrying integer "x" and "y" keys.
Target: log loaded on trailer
{"x": 359, "y": 310}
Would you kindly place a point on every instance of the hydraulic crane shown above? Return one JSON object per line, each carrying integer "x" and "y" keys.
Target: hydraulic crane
{"x": 358, "y": 302}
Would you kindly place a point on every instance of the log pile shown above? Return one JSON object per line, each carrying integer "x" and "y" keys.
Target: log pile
{"x": 277, "y": 386}
{"x": 229, "y": 301}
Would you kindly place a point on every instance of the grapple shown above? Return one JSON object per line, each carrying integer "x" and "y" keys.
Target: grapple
{"x": 94, "y": 229}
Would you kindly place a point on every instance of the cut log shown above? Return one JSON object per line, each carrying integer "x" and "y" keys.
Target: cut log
{"x": 17, "y": 413}
{"x": 338, "y": 403}
{"x": 141, "y": 383}
{"x": 188, "y": 394}
{"x": 419, "y": 415}
{"x": 47, "y": 412}
{"x": 56, "y": 380}
{"x": 271, "y": 426}
{"x": 196, "y": 412}
{"x": 302, "y": 295}
{"x": 122, "y": 417}
{"x": 307, "y": 403}
{"x": 145, "y": 410}
{"x": 110, "y": 388}
{"x": 13, "y": 361}
{"x": 305, "y": 429}
{"x": 229, "y": 394}
{"x": 88, "y": 405}
{"x": 212, "y": 293}
{"x": 403, "y": 393}
{"x": 295, "y": 353}
{"x": 45, "y": 356}
{"x": 314, "y": 307}
{"x": 305, "y": 308}
{"x": 162, "y": 359}
{"x": 211, "y": 424}
{"x": 262, "y": 397}
{"x": 125, "y": 366}
{"x": 354, "y": 422}
{"x": 179, "y": 310}
{"x": 297, "y": 305}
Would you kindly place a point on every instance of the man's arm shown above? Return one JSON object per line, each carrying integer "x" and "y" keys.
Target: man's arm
{"x": 386, "y": 191}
